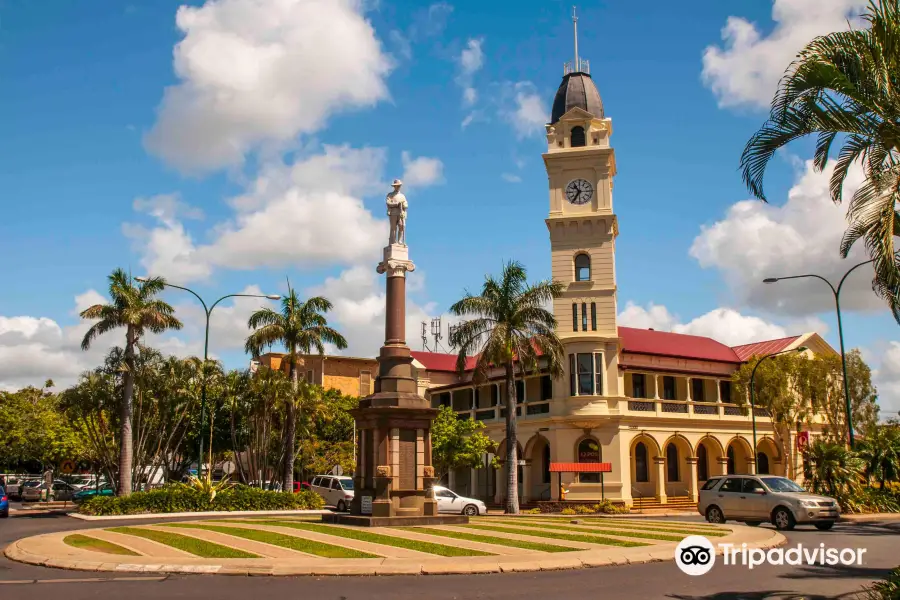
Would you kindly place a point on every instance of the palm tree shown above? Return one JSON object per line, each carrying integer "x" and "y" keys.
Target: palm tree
{"x": 300, "y": 327}
{"x": 509, "y": 327}
{"x": 136, "y": 308}
{"x": 845, "y": 84}
{"x": 880, "y": 451}
{"x": 832, "y": 469}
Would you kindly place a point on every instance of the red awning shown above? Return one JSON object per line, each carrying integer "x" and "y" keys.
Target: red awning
{"x": 580, "y": 467}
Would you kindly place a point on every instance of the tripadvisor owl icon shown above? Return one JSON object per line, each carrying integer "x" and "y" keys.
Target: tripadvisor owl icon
{"x": 695, "y": 555}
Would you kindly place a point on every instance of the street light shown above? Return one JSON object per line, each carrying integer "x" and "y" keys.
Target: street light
{"x": 837, "y": 306}
{"x": 208, "y": 312}
{"x": 753, "y": 403}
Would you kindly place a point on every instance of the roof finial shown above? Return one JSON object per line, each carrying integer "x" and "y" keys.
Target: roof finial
{"x": 575, "y": 23}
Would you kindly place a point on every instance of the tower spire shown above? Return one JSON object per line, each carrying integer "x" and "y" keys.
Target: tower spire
{"x": 575, "y": 24}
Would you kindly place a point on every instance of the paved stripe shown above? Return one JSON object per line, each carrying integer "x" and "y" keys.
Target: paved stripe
{"x": 142, "y": 546}
{"x": 508, "y": 544}
{"x": 624, "y": 534}
{"x": 560, "y": 535}
{"x": 484, "y": 546}
{"x": 223, "y": 539}
{"x": 526, "y": 538}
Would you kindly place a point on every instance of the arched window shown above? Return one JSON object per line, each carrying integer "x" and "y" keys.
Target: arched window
{"x": 672, "y": 463}
{"x": 641, "y": 472}
{"x": 762, "y": 463}
{"x": 702, "y": 463}
{"x": 582, "y": 267}
{"x": 589, "y": 452}
{"x": 730, "y": 460}
{"x": 578, "y": 138}
{"x": 546, "y": 466}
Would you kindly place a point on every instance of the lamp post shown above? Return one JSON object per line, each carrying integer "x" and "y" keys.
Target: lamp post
{"x": 837, "y": 305}
{"x": 752, "y": 400}
{"x": 208, "y": 312}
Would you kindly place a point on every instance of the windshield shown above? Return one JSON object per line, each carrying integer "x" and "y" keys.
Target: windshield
{"x": 347, "y": 484}
{"x": 781, "y": 484}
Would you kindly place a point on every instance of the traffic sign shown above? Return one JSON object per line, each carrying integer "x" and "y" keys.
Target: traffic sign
{"x": 67, "y": 466}
{"x": 337, "y": 470}
{"x": 802, "y": 440}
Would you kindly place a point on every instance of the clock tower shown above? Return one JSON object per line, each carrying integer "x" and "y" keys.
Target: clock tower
{"x": 580, "y": 168}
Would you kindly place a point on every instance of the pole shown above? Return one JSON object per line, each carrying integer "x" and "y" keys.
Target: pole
{"x": 203, "y": 392}
{"x": 752, "y": 391}
{"x": 575, "y": 22}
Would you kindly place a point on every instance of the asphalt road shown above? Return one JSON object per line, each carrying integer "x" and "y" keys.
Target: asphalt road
{"x": 656, "y": 580}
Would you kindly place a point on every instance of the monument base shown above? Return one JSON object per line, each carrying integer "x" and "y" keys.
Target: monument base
{"x": 367, "y": 521}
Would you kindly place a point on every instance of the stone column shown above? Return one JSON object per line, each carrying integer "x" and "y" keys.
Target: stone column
{"x": 687, "y": 388}
{"x": 656, "y": 387}
{"x": 722, "y": 461}
{"x": 661, "y": 479}
{"x": 693, "y": 481}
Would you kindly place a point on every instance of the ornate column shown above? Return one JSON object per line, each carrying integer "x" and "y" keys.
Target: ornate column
{"x": 693, "y": 482}
{"x": 722, "y": 461}
{"x": 661, "y": 479}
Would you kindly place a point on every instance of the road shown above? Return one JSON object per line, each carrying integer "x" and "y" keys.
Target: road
{"x": 656, "y": 580}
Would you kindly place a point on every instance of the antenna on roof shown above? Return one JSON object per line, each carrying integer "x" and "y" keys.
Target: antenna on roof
{"x": 579, "y": 65}
{"x": 436, "y": 331}
{"x": 424, "y": 336}
{"x": 451, "y": 330}
{"x": 575, "y": 23}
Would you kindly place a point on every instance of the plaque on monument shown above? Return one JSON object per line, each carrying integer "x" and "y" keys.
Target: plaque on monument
{"x": 366, "y": 505}
{"x": 407, "y": 459}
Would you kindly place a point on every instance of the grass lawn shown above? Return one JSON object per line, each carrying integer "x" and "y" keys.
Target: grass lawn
{"x": 472, "y": 537}
{"x": 558, "y": 535}
{"x": 185, "y": 543}
{"x": 633, "y": 533}
{"x": 376, "y": 538}
{"x": 280, "y": 539}
{"x": 88, "y": 543}
{"x": 662, "y": 527}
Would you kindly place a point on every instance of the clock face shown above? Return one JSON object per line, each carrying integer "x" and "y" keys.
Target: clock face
{"x": 579, "y": 191}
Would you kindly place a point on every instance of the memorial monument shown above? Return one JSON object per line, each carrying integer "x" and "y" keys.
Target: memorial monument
{"x": 394, "y": 475}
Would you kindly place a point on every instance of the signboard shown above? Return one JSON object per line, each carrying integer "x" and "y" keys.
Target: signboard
{"x": 338, "y": 470}
{"x": 67, "y": 466}
{"x": 802, "y": 440}
{"x": 365, "y": 505}
{"x": 521, "y": 462}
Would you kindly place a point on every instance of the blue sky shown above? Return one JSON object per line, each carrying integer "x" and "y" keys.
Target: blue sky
{"x": 231, "y": 144}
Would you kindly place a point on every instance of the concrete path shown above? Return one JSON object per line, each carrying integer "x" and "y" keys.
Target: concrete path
{"x": 50, "y": 550}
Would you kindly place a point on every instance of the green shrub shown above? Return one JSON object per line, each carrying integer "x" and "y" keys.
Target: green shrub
{"x": 582, "y": 509}
{"x": 181, "y": 498}
{"x": 886, "y": 589}
{"x": 608, "y": 508}
{"x": 567, "y": 511}
{"x": 866, "y": 499}
{"x": 532, "y": 511}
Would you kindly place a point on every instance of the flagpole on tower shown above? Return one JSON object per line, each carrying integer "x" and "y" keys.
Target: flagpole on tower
{"x": 575, "y": 23}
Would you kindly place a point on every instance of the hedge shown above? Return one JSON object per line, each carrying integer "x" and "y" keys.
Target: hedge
{"x": 181, "y": 498}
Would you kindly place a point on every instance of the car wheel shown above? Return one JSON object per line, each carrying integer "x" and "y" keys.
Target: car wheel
{"x": 4, "y": 514}
{"x": 341, "y": 506}
{"x": 470, "y": 510}
{"x": 752, "y": 523}
{"x": 825, "y": 525}
{"x": 714, "y": 515}
{"x": 783, "y": 519}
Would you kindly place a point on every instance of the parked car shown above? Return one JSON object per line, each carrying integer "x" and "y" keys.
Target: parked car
{"x": 449, "y": 501}
{"x": 80, "y": 482}
{"x": 13, "y": 484}
{"x": 4, "y": 503}
{"x": 336, "y": 491}
{"x": 85, "y": 493}
{"x": 61, "y": 491}
{"x": 756, "y": 499}
{"x": 23, "y": 485}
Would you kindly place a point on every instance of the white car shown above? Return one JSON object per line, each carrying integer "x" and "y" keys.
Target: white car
{"x": 450, "y": 502}
{"x": 336, "y": 491}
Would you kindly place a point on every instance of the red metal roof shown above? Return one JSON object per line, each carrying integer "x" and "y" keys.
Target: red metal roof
{"x": 580, "y": 467}
{"x": 745, "y": 351}
{"x": 436, "y": 361}
{"x": 663, "y": 343}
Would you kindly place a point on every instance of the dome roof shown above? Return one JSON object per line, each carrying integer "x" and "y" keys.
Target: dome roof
{"x": 576, "y": 89}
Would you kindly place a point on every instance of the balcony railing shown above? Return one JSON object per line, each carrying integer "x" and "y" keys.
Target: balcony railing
{"x": 642, "y": 405}
{"x": 671, "y": 408}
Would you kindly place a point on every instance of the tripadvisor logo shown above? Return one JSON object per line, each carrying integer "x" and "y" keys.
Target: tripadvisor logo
{"x": 695, "y": 555}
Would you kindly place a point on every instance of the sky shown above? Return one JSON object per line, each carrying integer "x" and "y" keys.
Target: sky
{"x": 241, "y": 146}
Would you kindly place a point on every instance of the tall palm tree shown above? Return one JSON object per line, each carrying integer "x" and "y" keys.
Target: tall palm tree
{"x": 832, "y": 469}
{"x": 846, "y": 84}
{"x": 301, "y": 327}
{"x": 136, "y": 308}
{"x": 880, "y": 451}
{"x": 508, "y": 326}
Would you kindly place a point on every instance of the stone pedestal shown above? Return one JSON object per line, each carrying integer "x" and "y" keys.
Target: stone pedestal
{"x": 394, "y": 475}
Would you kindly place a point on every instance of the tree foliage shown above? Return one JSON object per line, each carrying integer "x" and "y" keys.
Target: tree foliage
{"x": 457, "y": 443}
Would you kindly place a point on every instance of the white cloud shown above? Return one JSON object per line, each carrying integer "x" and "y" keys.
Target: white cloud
{"x": 306, "y": 214}
{"x": 167, "y": 207}
{"x": 511, "y": 177}
{"x": 426, "y": 24}
{"x": 523, "y": 108}
{"x": 746, "y": 69}
{"x": 88, "y": 299}
{"x": 358, "y": 297}
{"x": 886, "y": 377}
{"x": 725, "y": 325}
{"x": 422, "y": 171}
{"x": 259, "y": 72}
{"x": 471, "y": 59}
{"x": 756, "y": 240}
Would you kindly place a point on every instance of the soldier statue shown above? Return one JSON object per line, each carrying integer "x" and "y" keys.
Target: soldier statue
{"x": 396, "y": 210}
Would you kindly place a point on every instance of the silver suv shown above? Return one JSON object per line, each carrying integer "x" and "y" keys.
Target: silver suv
{"x": 756, "y": 499}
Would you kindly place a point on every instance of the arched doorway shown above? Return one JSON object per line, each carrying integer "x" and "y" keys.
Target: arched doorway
{"x": 739, "y": 456}
{"x": 537, "y": 468}
{"x": 762, "y": 463}
{"x": 672, "y": 470}
{"x": 731, "y": 460}
{"x": 767, "y": 455}
{"x": 702, "y": 463}
{"x": 641, "y": 460}
{"x": 678, "y": 469}
{"x": 644, "y": 451}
